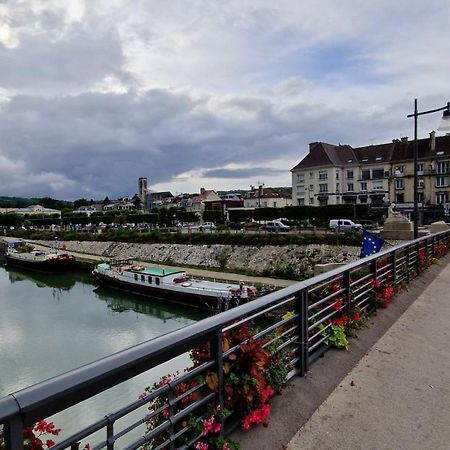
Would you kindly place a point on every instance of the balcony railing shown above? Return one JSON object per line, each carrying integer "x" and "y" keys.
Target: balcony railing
{"x": 303, "y": 331}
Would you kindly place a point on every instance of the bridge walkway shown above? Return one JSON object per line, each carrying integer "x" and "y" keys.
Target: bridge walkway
{"x": 390, "y": 391}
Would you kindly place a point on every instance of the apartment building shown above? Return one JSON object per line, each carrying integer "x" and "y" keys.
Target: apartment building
{"x": 433, "y": 170}
{"x": 336, "y": 174}
{"x": 376, "y": 174}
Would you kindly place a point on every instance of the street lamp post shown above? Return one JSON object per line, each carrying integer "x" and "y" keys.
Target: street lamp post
{"x": 444, "y": 126}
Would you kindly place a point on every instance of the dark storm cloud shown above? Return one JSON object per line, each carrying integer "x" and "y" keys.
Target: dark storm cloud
{"x": 93, "y": 144}
{"x": 253, "y": 172}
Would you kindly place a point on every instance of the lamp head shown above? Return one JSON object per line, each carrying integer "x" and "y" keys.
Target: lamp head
{"x": 445, "y": 121}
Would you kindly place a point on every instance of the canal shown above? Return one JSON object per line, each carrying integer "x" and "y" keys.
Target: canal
{"x": 50, "y": 324}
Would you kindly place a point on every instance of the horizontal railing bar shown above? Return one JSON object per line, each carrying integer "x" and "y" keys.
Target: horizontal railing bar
{"x": 325, "y": 299}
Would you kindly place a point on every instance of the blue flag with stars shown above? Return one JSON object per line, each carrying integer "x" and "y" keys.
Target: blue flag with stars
{"x": 371, "y": 244}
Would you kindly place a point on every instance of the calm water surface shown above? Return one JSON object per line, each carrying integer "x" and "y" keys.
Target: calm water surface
{"x": 50, "y": 324}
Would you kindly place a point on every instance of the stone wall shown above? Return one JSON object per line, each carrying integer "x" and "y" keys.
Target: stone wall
{"x": 256, "y": 259}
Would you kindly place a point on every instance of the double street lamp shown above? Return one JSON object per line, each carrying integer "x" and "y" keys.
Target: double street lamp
{"x": 444, "y": 126}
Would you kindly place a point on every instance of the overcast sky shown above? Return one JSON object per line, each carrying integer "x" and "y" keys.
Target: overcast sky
{"x": 197, "y": 93}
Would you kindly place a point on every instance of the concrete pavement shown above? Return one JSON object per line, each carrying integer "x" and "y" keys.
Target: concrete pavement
{"x": 398, "y": 395}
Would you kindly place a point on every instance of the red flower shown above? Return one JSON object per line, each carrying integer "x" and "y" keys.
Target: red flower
{"x": 50, "y": 443}
{"x": 338, "y": 304}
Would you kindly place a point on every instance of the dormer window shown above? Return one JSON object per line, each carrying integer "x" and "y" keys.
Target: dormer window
{"x": 350, "y": 160}
{"x": 378, "y": 158}
{"x": 365, "y": 159}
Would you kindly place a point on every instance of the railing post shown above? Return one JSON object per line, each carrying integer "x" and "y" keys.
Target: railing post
{"x": 408, "y": 268}
{"x": 394, "y": 267}
{"x": 217, "y": 354}
{"x": 14, "y": 433}
{"x": 346, "y": 281}
{"x": 109, "y": 434}
{"x": 301, "y": 311}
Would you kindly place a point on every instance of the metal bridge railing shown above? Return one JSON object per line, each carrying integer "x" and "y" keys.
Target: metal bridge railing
{"x": 303, "y": 333}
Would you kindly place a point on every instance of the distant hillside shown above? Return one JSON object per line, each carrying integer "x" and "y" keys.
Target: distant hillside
{"x": 21, "y": 202}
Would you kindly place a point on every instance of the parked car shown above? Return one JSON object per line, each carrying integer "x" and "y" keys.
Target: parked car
{"x": 343, "y": 225}
{"x": 277, "y": 225}
{"x": 207, "y": 226}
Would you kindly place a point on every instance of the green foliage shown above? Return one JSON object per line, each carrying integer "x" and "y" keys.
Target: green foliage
{"x": 337, "y": 338}
{"x": 240, "y": 215}
{"x": 213, "y": 216}
{"x": 268, "y": 213}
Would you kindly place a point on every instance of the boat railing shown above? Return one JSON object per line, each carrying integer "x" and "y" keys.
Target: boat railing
{"x": 295, "y": 321}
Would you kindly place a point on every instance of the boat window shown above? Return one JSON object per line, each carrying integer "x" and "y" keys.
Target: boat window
{"x": 150, "y": 280}
{"x": 156, "y": 280}
{"x": 142, "y": 277}
{"x": 136, "y": 276}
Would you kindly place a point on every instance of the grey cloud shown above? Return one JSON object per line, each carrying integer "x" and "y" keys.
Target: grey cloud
{"x": 92, "y": 145}
{"x": 53, "y": 63}
{"x": 253, "y": 172}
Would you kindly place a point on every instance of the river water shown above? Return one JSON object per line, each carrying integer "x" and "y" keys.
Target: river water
{"x": 50, "y": 324}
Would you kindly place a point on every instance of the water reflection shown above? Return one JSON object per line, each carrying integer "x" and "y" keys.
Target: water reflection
{"x": 163, "y": 310}
{"x": 50, "y": 324}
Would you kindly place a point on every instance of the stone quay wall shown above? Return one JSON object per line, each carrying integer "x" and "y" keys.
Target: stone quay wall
{"x": 256, "y": 259}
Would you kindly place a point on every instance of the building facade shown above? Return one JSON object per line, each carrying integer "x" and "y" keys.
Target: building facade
{"x": 375, "y": 174}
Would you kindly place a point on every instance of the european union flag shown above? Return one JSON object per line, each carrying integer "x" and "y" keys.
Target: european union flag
{"x": 371, "y": 244}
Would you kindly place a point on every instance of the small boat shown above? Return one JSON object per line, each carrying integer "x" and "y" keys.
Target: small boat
{"x": 173, "y": 285}
{"x": 21, "y": 254}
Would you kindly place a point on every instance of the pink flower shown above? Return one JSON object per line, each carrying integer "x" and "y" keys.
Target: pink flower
{"x": 201, "y": 446}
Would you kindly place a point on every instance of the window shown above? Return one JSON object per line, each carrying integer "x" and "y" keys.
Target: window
{"x": 265, "y": 204}
{"x": 157, "y": 281}
{"x": 337, "y": 175}
{"x": 420, "y": 169}
{"x": 311, "y": 174}
{"x": 323, "y": 201}
{"x": 400, "y": 198}
{"x": 442, "y": 181}
{"x": 377, "y": 173}
{"x": 399, "y": 184}
{"x": 301, "y": 202}
{"x": 323, "y": 175}
{"x": 150, "y": 280}
{"x": 442, "y": 167}
{"x": 378, "y": 158}
{"x": 364, "y": 186}
{"x": 311, "y": 201}
{"x": 142, "y": 277}
{"x": 311, "y": 187}
{"x": 350, "y": 174}
{"x": 300, "y": 189}
{"x": 323, "y": 187}
{"x": 274, "y": 204}
{"x": 365, "y": 160}
{"x": 441, "y": 197}
{"x": 365, "y": 174}
{"x": 349, "y": 187}
{"x": 399, "y": 171}
{"x": 420, "y": 197}
{"x": 135, "y": 276}
{"x": 363, "y": 198}
{"x": 338, "y": 187}
{"x": 349, "y": 161}
{"x": 378, "y": 186}
{"x": 420, "y": 183}
{"x": 300, "y": 177}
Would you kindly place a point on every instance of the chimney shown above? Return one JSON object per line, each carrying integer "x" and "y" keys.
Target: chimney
{"x": 202, "y": 191}
{"x": 433, "y": 141}
{"x": 405, "y": 139}
{"x": 311, "y": 146}
{"x": 260, "y": 190}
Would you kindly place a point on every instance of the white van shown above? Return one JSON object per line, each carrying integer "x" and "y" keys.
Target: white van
{"x": 343, "y": 225}
{"x": 276, "y": 225}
